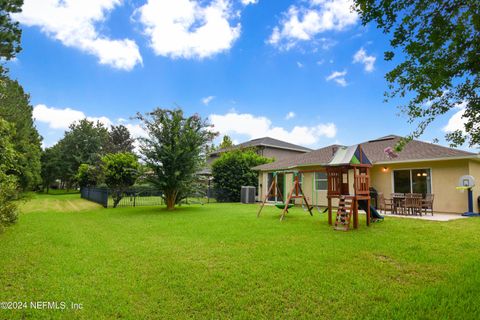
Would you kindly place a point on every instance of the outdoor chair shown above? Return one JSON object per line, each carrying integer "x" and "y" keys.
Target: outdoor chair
{"x": 398, "y": 202}
{"x": 427, "y": 203}
{"x": 413, "y": 203}
{"x": 384, "y": 204}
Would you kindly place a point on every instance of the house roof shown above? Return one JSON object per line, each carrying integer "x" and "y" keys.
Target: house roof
{"x": 265, "y": 142}
{"x": 415, "y": 150}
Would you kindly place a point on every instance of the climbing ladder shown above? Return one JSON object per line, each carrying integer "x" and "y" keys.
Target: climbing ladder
{"x": 344, "y": 214}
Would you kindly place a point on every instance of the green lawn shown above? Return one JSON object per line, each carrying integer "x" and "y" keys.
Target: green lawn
{"x": 220, "y": 261}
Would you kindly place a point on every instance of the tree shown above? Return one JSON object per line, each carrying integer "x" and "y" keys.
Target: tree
{"x": 173, "y": 150}
{"x": 15, "y": 108}
{"x": 82, "y": 144}
{"x": 233, "y": 170}
{"x": 10, "y": 32}
{"x": 119, "y": 140}
{"x": 88, "y": 175}
{"x": 50, "y": 167}
{"x": 121, "y": 170}
{"x": 439, "y": 68}
{"x": 226, "y": 142}
{"x": 8, "y": 171}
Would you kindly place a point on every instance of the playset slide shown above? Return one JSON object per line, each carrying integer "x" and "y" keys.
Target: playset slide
{"x": 373, "y": 212}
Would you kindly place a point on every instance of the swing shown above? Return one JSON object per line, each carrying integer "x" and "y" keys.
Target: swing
{"x": 282, "y": 205}
{"x": 295, "y": 193}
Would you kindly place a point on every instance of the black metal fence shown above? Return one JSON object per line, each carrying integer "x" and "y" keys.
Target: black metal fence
{"x": 98, "y": 195}
{"x": 140, "y": 197}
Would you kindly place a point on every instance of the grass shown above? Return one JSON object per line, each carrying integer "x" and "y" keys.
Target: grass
{"x": 220, "y": 261}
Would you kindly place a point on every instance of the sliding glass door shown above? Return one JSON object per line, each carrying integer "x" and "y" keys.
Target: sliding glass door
{"x": 412, "y": 181}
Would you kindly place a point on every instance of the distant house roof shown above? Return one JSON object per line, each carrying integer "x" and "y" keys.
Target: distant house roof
{"x": 374, "y": 149}
{"x": 265, "y": 142}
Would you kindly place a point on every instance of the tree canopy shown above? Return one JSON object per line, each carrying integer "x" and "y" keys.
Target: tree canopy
{"x": 226, "y": 142}
{"x": 119, "y": 140}
{"x": 438, "y": 67}
{"x": 83, "y": 143}
{"x": 8, "y": 174}
{"x": 10, "y": 32}
{"x": 121, "y": 170}
{"x": 174, "y": 150}
{"x": 15, "y": 108}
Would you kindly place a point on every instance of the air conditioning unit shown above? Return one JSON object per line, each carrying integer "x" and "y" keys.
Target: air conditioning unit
{"x": 247, "y": 194}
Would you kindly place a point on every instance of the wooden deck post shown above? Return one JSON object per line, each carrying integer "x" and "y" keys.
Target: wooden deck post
{"x": 329, "y": 210}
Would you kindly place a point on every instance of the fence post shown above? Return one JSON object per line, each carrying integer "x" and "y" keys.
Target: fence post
{"x": 105, "y": 198}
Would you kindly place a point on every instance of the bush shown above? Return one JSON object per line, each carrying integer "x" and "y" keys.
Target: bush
{"x": 88, "y": 175}
{"x": 121, "y": 172}
{"x": 233, "y": 170}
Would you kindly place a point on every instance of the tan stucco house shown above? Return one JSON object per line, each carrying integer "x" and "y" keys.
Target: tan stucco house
{"x": 420, "y": 168}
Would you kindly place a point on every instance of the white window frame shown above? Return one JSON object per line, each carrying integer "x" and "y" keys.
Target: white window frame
{"x": 315, "y": 180}
{"x": 411, "y": 180}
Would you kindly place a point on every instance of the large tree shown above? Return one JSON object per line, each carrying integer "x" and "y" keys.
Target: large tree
{"x": 173, "y": 150}
{"x": 8, "y": 173}
{"x": 119, "y": 140}
{"x": 437, "y": 44}
{"x": 10, "y": 32}
{"x": 83, "y": 143}
{"x": 51, "y": 166}
{"x": 15, "y": 108}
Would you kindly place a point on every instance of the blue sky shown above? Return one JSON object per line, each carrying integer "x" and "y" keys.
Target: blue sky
{"x": 305, "y": 71}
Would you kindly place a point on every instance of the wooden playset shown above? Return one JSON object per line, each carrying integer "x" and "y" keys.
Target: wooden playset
{"x": 345, "y": 162}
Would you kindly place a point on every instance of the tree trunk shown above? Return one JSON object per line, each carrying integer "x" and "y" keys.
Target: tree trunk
{"x": 170, "y": 199}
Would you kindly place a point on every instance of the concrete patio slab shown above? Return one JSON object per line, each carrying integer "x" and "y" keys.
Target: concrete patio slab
{"x": 435, "y": 217}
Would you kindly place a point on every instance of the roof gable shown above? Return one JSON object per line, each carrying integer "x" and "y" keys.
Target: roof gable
{"x": 265, "y": 142}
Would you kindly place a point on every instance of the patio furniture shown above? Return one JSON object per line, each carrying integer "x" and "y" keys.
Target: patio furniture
{"x": 384, "y": 204}
{"x": 413, "y": 203}
{"x": 398, "y": 202}
{"x": 427, "y": 203}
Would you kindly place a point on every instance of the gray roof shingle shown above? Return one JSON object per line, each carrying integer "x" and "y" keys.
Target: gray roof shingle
{"x": 265, "y": 142}
{"x": 374, "y": 149}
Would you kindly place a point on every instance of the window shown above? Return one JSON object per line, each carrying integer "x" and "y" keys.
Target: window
{"x": 412, "y": 181}
{"x": 300, "y": 179}
{"x": 321, "y": 183}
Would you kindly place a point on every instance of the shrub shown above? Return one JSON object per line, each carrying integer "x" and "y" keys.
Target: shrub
{"x": 88, "y": 175}
{"x": 233, "y": 170}
{"x": 121, "y": 172}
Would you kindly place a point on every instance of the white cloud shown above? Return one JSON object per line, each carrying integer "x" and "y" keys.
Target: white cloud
{"x": 361, "y": 56}
{"x": 304, "y": 23}
{"x": 457, "y": 121}
{"x": 338, "y": 77}
{"x": 290, "y": 115}
{"x": 75, "y": 23}
{"x": 258, "y": 126}
{"x": 61, "y": 119}
{"x": 189, "y": 28}
{"x": 247, "y": 2}
{"x": 56, "y": 118}
{"x": 206, "y": 101}
{"x": 299, "y": 64}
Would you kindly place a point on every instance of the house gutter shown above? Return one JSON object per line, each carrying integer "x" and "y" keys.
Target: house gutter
{"x": 474, "y": 157}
